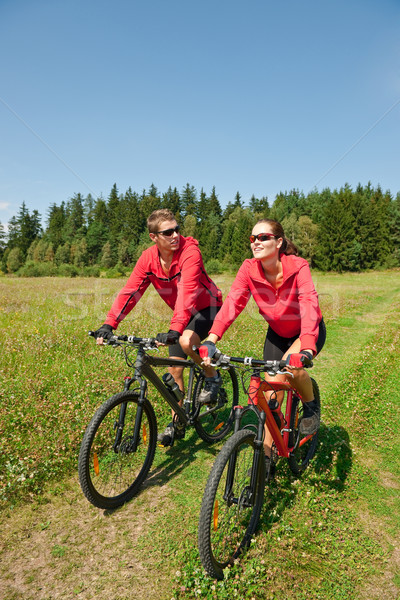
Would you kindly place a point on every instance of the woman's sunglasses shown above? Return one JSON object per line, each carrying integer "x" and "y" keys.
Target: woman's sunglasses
{"x": 169, "y": 232}
{"x": 262, "y": 237}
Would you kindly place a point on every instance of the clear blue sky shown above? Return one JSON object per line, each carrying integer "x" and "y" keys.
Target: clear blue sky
{"x": 252, "y": 96}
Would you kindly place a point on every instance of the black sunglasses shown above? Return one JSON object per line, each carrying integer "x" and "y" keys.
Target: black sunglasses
{"x": 262, "y": 237}
{"x": 169, "y": 232}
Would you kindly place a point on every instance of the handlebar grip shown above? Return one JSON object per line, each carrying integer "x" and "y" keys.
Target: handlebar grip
{"x": 91, "y": 333}
{"x": 307, "y": 362}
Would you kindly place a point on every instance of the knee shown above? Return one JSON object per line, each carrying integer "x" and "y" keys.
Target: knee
{"x": 186, "y": 342}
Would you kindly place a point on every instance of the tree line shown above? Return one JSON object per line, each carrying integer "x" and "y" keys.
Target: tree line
{"x": 339, "y": 230}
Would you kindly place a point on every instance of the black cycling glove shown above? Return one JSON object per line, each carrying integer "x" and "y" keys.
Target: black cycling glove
{"x": 208, "y": 349}
{"x": 169, "y": 338}
{"x": 105, "y": 331}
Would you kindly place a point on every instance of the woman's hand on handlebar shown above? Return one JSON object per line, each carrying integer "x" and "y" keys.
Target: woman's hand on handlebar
{"x": 299, "y": 360}
{"x": 208, "y": 351}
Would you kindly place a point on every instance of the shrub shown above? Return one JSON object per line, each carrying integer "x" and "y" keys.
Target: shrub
{"x": 34, "y": 269}
{"x": 68, "y": 271}
{"x": 214, "y": 266}
{"x": 93, "y": 271}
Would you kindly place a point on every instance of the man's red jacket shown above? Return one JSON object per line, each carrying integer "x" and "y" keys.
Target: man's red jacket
{"x": 187, "y": 290}
{"x": 292, "y": 310}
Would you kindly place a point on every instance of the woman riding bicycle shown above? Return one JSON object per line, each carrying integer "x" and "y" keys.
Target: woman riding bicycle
{"x": 281, "y": 285}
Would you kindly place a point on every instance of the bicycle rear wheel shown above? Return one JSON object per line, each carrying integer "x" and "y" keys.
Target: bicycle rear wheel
{"x": 303, "y": 449}
{"x": 111, "y": 470}
{"x": 230, "y": 508}
{"x": 215, "y": 419}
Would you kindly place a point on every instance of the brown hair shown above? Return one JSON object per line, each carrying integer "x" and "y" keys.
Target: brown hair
{"x": 157, "y": 217}
{"x": 287, "y": 245}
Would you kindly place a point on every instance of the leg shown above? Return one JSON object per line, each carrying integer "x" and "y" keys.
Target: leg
{"x": 300, "y": 381}
{"x": 189, "y": 339}
{"x": 275, "y": 348}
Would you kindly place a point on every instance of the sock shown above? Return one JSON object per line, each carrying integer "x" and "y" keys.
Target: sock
{"x": 310, "y": 408}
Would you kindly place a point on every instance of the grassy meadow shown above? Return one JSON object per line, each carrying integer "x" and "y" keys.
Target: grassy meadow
{"x": 333, "y": 534}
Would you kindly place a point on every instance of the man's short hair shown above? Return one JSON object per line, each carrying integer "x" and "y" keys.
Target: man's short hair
{"x": 157, "y": 217}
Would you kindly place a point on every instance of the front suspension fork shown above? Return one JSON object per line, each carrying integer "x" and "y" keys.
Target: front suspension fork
{"x": 119, "y": 426}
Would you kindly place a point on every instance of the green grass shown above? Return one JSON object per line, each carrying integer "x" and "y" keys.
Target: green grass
{"x": 330, "y": 535}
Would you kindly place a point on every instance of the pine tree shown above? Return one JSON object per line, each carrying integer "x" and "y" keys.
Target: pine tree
{"x": 172, "y": 200}
{"x": 259, "y": 207}
{"x": 338, "y": 248}
{"x": 147, "y": 205}
{"x": 3, "y": 239}
{"x": 56, "y": 219}
{"x": 240, "y": 249}
{"x": 75, "y": 219}
{"x": 189, "y": 201}
{"x": 286, "y": 204}
{"x": 24, "y": 229}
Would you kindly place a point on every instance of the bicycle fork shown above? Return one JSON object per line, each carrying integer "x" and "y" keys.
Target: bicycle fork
{"x": 247, "y": 494}
{"x": 119, "y": 425}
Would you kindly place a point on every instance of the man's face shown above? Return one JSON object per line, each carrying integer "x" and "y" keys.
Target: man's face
{"x": 163, "y": 240}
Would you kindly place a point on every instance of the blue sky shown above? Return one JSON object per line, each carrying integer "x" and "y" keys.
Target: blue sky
{"x": 251, "y": 96}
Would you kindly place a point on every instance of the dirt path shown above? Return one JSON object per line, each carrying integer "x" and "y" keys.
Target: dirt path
{"x": 68, "y": 549}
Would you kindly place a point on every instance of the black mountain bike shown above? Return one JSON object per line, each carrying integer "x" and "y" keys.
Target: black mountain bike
{"x": 119, "y": 444}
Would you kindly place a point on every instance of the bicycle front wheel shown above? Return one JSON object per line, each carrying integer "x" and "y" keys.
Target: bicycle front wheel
{"x": 215, "y": 420}
{"x": 303, "y": 448}
{"x": 231, "y": 506}
{"x": 113, "y": 464}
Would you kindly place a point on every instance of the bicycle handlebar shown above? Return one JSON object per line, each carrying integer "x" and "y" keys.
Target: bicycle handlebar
{"x": 220, "y": 360}
{"x": 149, "y": 342}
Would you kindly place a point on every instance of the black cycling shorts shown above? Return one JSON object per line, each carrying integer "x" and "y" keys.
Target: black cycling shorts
{"x": 201, "y": 324}
{"x": 275, "y": 345}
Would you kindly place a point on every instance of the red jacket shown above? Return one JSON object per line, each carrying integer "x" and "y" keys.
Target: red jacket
{"x": 187, "y": 290}
{"x": 292, "y": 310}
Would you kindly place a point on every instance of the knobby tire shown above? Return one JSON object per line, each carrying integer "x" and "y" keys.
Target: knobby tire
{"x": 226, "y": 525}
{"x": 109, "y": 475}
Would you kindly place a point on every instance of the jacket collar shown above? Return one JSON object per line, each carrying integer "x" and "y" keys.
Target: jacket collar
{"x": 183, "y": 243}
{"x": 289, "y": 267}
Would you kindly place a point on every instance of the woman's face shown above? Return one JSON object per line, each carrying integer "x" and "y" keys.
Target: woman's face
{"x": 265, "y": 248}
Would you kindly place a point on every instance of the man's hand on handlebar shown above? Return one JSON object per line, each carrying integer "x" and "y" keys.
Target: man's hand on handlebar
{"x": 168, "y": 339}
{"x": 103, "y": 334}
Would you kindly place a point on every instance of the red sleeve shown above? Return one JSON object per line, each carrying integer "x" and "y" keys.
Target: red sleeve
{"x": 130, "y": 294}
{"x": 310, "y": 312}
{"x": 235, "y": 302}
{"x": 190, "y": 264}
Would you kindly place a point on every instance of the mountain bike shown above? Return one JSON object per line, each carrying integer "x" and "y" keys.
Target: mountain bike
{"x": 234, "y": 493}
{"x": 119, "y": 444}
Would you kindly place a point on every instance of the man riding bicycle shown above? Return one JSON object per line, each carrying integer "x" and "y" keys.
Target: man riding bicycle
{"x": 174, "y": 266}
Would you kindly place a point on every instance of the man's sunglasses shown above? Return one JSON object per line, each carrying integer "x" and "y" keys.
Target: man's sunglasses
{"x": 262, "y": 237}
{"x": 169, "y": 232}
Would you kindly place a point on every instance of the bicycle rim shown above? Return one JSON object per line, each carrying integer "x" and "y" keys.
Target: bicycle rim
{"x": 215, "y": 420}
{"x": 111, "y": 474}
{"x": 304, "y": 450}
{"x": 230, "y": 512}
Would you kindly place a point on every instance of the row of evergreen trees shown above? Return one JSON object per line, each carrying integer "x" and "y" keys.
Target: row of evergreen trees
{"x": 340, "y": 230}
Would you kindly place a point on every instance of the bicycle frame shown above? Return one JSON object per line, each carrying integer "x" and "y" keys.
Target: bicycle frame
{"x": 257, "y": 398}
{"x": 143, "y": 372}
